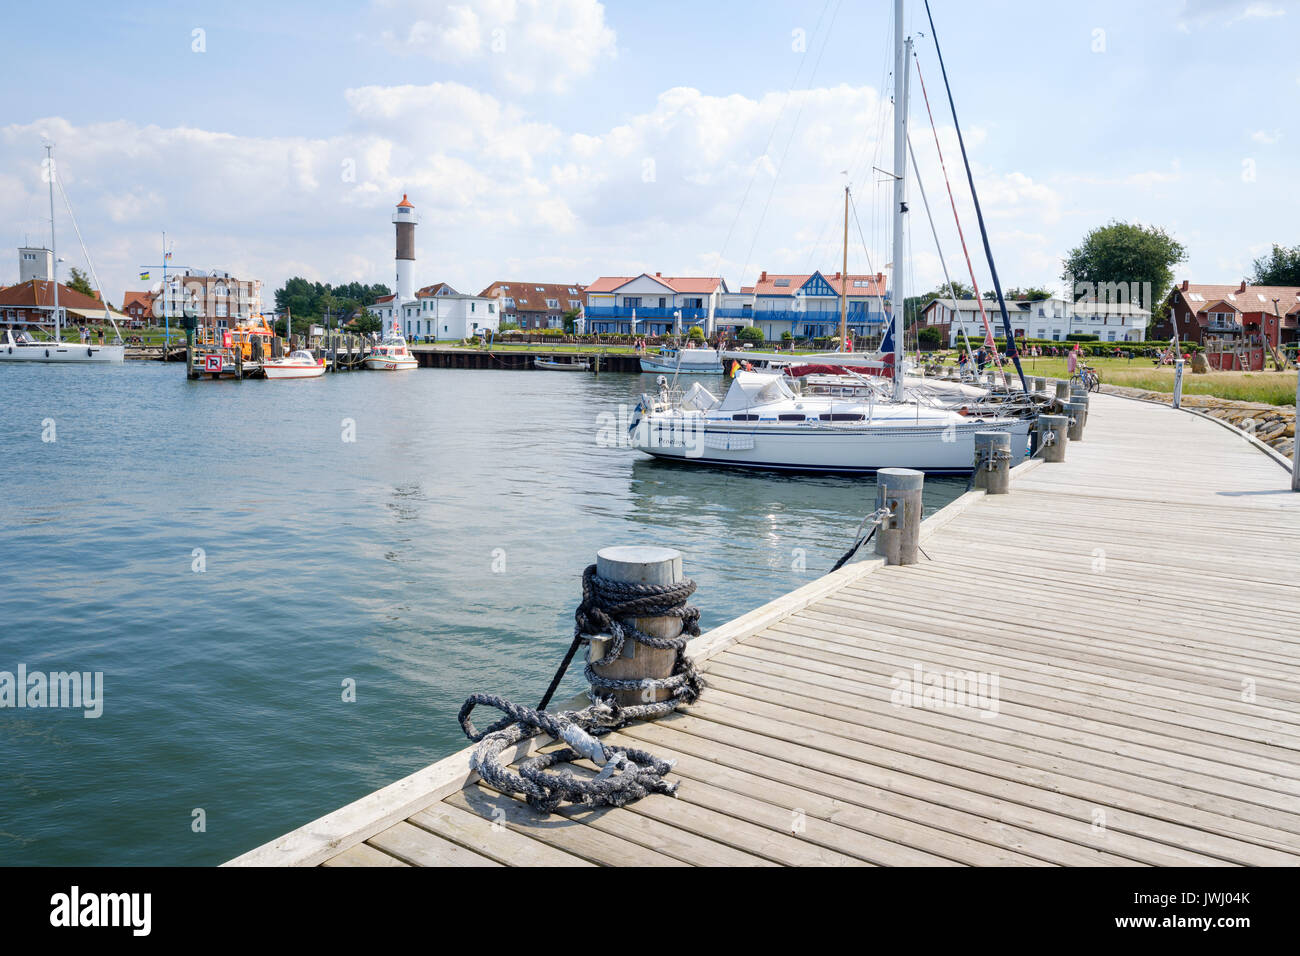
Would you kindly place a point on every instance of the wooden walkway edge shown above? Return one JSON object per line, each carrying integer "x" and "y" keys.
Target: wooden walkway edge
{"x": 1100, "y": 668}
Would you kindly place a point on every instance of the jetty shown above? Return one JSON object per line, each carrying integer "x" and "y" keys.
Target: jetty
{"x": 521, "y": 360}
{"x": 1129, "y": 617}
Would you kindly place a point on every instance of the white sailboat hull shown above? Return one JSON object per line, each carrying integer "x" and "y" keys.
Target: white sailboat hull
{"x": 847, "y": 448}
{"x": 69, "y": 352}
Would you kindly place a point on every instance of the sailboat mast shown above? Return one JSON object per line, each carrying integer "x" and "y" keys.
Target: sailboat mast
{"x": 844, "y": 280}
{"x": 901, "y": 48}
{"x": 54, "y": 249}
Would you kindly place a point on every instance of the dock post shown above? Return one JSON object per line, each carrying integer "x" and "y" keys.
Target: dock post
{"x": 1178, "y": 383}
{"x": 1063, "y": 390}
{"x": 639, "y": 564}
{"x": 1052, "y": 436}
{"x": 1040, "y": 384}
{"x": 993, "y": 462}
{"x": 1077, "y": 411}
{"x": 899, "y": 490}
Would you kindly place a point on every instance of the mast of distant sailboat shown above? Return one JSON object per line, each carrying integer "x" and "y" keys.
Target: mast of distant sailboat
{"x": 54, "y": 251}
{"x": 902, "y": 47}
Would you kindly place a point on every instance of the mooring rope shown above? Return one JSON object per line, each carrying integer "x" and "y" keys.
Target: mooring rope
{"x": 627, "y": 774}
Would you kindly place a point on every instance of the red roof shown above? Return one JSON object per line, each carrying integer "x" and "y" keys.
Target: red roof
{"x": 527, "y": 298}
{"x": 1252, "y": 298}
{"x": 39, "y": 293}
{"x": 129, "y": 299}
{"x": 688, "y": 284}
{"x": 609, "y": 283}
{"x": 873, "y": 285}
{"x": 386, "y": 298}
{"x": 405, "y": 202}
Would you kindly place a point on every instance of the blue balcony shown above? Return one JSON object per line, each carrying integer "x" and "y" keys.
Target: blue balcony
{"x": 733, "y": 313}
{"x": 643, "y": 312}
{"x": 799, "y": 317}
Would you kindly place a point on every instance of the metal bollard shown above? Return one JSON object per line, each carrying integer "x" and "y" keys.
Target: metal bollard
{"x": 1063, "y": 390}
{"x": 993, "y": 462}
{"x": 637, "y": 564}
{"x": 1077, "y": 411}
{"x": 1052, "y": 436}
{"x": 1040, "y": 384}
{"x": 899, "y": 490}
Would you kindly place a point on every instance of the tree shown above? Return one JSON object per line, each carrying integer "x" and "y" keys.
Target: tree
{"x": 366, "y": 323}
{"x": 696, "y": 334}
{"x": 1280, "y": 267}
{"x": 1030, "y": 294}
{"x": 1123, "y": 252}
{"x": 78, "y": 282}
{"x": 750, "y": 333}
{"x": 571, "y": 320}
{"x": 929, "y": 338}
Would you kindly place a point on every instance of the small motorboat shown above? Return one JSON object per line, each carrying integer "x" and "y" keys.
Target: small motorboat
{"x": 391, "y": 355}
{"x": 299, "y": 364}
{"x": 686, "y": 361}
{"x": 562, "y": 365}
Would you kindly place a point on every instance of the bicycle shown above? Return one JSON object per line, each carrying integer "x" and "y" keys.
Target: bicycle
{"x": 1088, "y": 377}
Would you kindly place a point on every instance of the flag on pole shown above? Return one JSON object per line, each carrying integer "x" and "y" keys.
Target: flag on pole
{"x": 167, "y": 255}
{"x": 144, "y": 277}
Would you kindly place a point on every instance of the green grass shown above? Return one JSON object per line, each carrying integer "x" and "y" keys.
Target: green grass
{"x": 1269, "y": 388}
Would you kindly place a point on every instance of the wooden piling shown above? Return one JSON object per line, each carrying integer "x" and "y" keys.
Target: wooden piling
{"x": 1077, "y": 412}
{"x": 639, "y": 564}
{"x": 993, "y": 462}
{"x": 1053, "y": 433}
{"x": 899, "y": 490}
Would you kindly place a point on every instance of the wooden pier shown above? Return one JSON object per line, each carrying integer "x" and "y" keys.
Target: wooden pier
{"x": 441, "y": 356}
{"x": 1138, "y": 606}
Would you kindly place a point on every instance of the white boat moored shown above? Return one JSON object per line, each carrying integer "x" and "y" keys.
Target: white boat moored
{"x": 298, "y": 364}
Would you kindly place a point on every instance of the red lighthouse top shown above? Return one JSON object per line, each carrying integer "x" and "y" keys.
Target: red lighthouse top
{"x": 405, "y": 202}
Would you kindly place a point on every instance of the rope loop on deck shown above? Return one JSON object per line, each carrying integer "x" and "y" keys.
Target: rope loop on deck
{"x": 627, "y": 774}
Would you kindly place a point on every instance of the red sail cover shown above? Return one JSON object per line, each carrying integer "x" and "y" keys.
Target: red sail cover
{"x": 884, "y": 370}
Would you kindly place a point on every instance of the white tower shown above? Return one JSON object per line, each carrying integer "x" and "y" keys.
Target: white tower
{"x": 405, "y": 219}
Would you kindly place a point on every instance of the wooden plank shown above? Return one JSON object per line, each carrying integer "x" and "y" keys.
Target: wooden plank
{"x": 983, "y": 821}
{"x": 571, "y": 836}
{"x": 497, "y": 842}
{"x": 363, "y": 855}
{"x": 419, "y": 847}
{"x": 898, "y": 833}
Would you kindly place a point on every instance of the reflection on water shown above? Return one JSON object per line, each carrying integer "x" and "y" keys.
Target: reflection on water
{"x": 438, "y": 554}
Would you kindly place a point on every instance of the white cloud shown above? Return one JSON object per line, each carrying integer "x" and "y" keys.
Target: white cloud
{"x": 531, "y": 44}
{"x": 1265, "y": 137}
{"x": 694, "y": 183}
{"x": 1197, "y": 14}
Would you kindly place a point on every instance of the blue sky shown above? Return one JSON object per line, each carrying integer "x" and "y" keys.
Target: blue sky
{"x": 564, "y": 140}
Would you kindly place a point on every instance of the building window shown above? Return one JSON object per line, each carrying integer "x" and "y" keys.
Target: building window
{"x": 552, "y": 303}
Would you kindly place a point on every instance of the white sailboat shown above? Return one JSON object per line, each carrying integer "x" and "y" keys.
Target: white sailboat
{"x": 768, "y": 420}
{"x": 22, "y": 346}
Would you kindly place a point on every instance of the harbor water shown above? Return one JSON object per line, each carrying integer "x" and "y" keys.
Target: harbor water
{"x": 290, "y": 587}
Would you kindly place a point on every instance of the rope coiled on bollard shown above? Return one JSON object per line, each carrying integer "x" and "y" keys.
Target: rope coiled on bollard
{"x": 627, "y": 774}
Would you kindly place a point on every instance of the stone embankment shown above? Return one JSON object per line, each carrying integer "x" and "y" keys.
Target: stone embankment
{"x": 1274, "y": 425}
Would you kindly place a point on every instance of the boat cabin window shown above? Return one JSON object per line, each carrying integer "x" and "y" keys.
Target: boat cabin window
{"x": 842, "y": 417}
{"x": 792, "y": 418}
{"x": 301, "y": 356}
{"x": 744, "y": 418}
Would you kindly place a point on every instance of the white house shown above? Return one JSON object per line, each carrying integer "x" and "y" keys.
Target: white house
{"x": 808, "y": 305}
{"x": 653, "y": 304}
{"x": 1052, "y": 319}
{"x": 439, "y": 312}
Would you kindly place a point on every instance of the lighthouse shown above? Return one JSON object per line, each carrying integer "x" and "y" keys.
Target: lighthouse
{"x": 405, "y": 220}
